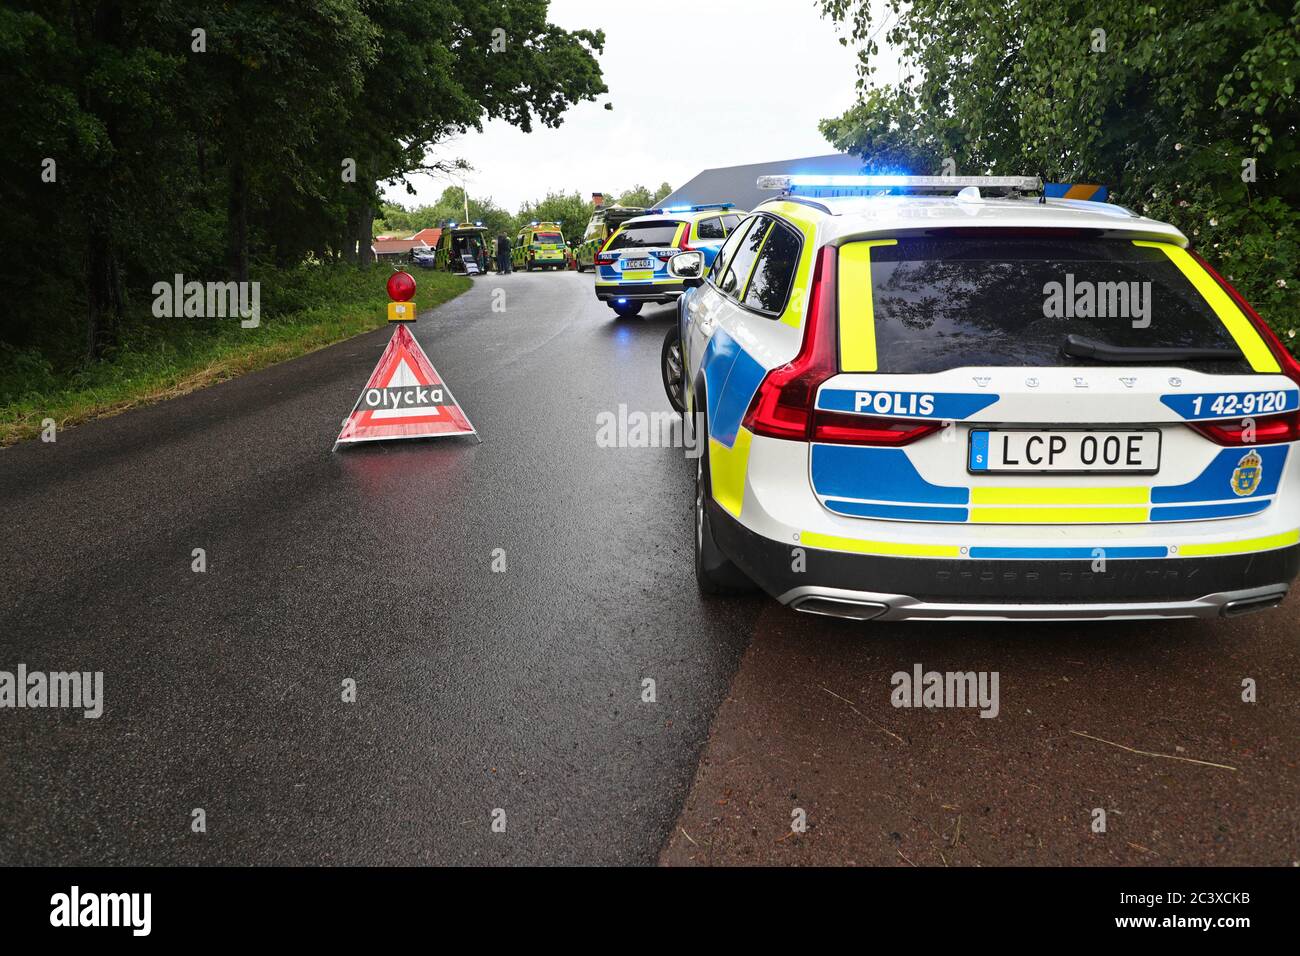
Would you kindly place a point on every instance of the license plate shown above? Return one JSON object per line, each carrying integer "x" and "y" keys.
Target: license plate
{"x": 1065, "y": 452}
{"x": 637, "y": 264}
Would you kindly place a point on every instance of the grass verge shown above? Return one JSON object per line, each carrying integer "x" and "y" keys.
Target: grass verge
{"x": 158, "y": 359}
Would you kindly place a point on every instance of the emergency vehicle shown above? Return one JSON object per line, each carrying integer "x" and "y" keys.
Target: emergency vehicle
{"x": 601, "y": 226}
{"x": 540, "y": 245}
{"x": 954, "y": 397}
{"x": 632, "y": 266}
{"x": 463, "y": 247}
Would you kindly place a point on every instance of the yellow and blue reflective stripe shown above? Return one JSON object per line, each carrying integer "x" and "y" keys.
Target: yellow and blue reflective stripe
{"x": 857, "y": 313}
{"x": 795, "y": 215}
{"x": 727, "y": 469}
{"x": 1089, "y": 515}
{"x": 1226, "y": 509}
{"x": 869, "y": 482}
{"x": 874, "y": 509}
{"x": 1060, "y": 496}
{"x": 831, "y": 542}
{"x": 1234, "y": 320}
{"x": 828, "y": 542}
{"x": 731, "y": 377}
{"x": 1071, "y": 554}
{"x": 1268, "y": 543}
{"x": 877, "y": 474}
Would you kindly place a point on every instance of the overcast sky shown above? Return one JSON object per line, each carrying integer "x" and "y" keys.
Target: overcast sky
{"x": 694, "y": 83}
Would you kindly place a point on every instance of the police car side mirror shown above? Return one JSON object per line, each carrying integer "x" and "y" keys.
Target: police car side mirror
{"x": 689, "y": 267}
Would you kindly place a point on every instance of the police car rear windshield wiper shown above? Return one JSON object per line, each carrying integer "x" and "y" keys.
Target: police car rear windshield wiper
{"x": 1081, "y": 347}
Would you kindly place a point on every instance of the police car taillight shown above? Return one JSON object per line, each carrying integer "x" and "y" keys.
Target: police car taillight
{"x": 1268, "y": 430}
{"x": 605, "y": 258}
{"x": 1290, "y": 367}
{"x": 844, "y": 429}
{"x": 783, "y": 405}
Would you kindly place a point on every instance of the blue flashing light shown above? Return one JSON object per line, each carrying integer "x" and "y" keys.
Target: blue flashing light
{"x": 867, "y": 185}
{"x": 695, "y": 207}
{"x": 621, "y": 301}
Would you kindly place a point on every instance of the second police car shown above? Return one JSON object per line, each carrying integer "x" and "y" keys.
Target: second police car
{"x": 920, "y": 405}
{"x": 632, "y": 266}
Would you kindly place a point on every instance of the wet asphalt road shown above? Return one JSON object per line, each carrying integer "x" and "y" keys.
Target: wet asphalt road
{"x": 522, "y": 690}
{"x": 476, "y": 690}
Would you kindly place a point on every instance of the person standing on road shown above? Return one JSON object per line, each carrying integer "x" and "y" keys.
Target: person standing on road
{"x": 503, "y": 254}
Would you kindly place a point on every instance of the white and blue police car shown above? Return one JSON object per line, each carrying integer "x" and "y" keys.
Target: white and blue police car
{"x": 953, "y": 397}
{"x": 632, "y": 266}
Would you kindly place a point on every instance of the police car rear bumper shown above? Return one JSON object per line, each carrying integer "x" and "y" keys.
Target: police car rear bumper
{"x": 640, "y": 291}
{"x": 881, "y": 588}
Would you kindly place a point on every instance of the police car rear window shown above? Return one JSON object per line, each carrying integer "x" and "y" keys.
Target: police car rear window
{"x": 943, "y": 303}
{"x": 644, "y": 235}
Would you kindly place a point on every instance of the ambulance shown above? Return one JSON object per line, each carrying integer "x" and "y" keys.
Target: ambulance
{"x": 540, "y": 245}
{"x": 604, "y": 223}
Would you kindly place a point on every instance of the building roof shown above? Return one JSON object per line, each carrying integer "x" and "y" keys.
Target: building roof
{"x": 738, "y": 184}
{"x": 389, "y": 247}
{"x": 429, "y": 235}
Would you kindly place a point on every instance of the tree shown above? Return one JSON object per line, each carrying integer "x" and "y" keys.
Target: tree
{"x": 1169, "y": 105}
{"x": 161, "y": 136}
{"x": 641, "y": 196}
{"x": 569, "y": 209}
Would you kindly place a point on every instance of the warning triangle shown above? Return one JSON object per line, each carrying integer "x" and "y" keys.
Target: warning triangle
{"x": 405, "y": 398}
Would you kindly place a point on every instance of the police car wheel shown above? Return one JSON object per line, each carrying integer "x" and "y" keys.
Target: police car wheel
{"x": 714, "y": 571}
{"x": 670, "y": 366}
{"x": 627, "y": 309}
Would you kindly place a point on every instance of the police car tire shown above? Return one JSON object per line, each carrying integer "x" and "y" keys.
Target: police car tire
{"x": 675, "y": 396}
{"x": 714, "y": 571}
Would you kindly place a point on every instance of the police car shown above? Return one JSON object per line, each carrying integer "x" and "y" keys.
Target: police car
{"x": 632, "y": 266}
{"x": 948, "y": 397}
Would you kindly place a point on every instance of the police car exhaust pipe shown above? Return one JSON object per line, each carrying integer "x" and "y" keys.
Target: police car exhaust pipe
{"x": 1246, "y": 605}
{"x": 840, "y": 607}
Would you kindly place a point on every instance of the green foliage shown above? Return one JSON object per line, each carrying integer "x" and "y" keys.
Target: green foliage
{"x": 397, "y": 220}
{"x": 570, "y": 209}
{"x": 1164, "y": 108}
{"x": 641, "y": 196}
{"x": 225, "y": 161}
{"x": 303, "y": 308}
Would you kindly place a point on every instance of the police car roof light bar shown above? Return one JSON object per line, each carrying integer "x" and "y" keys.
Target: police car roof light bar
{"x": 697, "y": 207}
{"x": 879, "y": 185}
